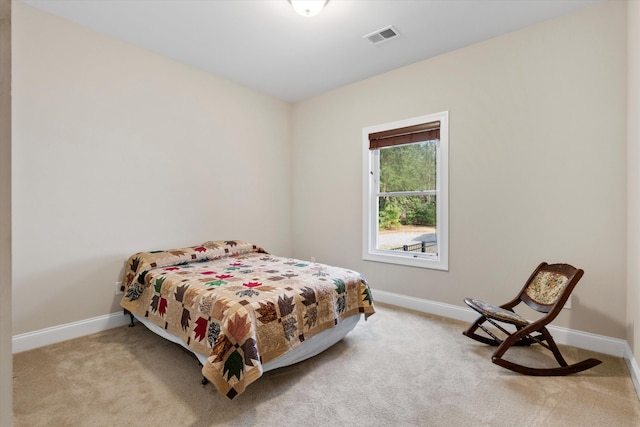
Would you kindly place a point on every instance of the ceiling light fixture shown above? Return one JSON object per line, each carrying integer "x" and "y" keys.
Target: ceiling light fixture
{"x": 308, "y": 8}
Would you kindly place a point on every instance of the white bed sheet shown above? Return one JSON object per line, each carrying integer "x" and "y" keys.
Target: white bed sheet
{"x": 309, "y": 348}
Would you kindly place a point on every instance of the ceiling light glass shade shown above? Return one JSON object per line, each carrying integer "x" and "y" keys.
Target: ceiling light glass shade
{"x": 308, "y": 8}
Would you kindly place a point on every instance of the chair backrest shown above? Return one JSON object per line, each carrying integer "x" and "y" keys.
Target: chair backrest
{"x": 550, "y": 284}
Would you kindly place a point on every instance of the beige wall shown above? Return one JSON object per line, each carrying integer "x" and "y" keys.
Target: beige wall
{"x": 6, "y": 361}
{"x": 118, "y": 150}
{"x": 106, "y": 136}
{"x": 633, "y": 183}
{"x": 537, "y": 126}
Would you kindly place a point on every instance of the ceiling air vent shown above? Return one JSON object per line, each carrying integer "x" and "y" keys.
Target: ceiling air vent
{"x": 377, "y": 37}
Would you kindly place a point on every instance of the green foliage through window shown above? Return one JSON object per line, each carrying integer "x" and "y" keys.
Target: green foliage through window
{"x": 407, "y": 168}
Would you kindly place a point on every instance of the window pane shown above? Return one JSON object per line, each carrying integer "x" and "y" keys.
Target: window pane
{"x": 402, "y": 184}
{"x": 407, "y": 223}
{"x": 408, "y": 167}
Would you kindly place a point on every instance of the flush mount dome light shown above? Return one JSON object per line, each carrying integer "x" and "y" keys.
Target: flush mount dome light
{"x": 308, "y": 8}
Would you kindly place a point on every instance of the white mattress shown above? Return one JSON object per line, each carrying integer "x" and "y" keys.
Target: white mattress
{"x": 309, "y": 348}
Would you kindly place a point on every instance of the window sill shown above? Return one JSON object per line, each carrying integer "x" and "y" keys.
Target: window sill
{"x": 417, "y": 260}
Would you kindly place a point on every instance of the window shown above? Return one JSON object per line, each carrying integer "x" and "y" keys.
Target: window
{"x": 406, "y": 192}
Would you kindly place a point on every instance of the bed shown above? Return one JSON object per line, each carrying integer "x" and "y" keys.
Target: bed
{"x": 241, "y": 310}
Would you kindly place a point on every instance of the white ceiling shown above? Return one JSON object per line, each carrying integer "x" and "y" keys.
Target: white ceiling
{"x": 264, "y": 45}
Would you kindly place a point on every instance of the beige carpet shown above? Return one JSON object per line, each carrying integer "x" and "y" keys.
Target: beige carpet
{"x": 401, "y": 368}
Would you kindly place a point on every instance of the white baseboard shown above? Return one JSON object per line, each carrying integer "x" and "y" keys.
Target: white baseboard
{"x": 585, "y": 340}
{"x": 599, "y": 343}
{"x": 54, "y": 334}
{"x": 633, "y": 368}
{"x": 426, "y": 306}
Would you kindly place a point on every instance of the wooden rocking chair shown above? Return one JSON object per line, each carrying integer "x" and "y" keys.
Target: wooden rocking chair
{"x": 546, "y": 291}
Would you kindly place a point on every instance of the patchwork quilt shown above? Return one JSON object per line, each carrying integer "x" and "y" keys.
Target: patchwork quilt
{"x": 239, "y": 305}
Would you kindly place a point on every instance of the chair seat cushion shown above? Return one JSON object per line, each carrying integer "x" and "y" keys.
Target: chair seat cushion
{"x": 496, "y": 312}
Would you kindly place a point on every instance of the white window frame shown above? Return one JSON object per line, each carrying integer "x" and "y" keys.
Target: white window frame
{"x": 439, "y": 261}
